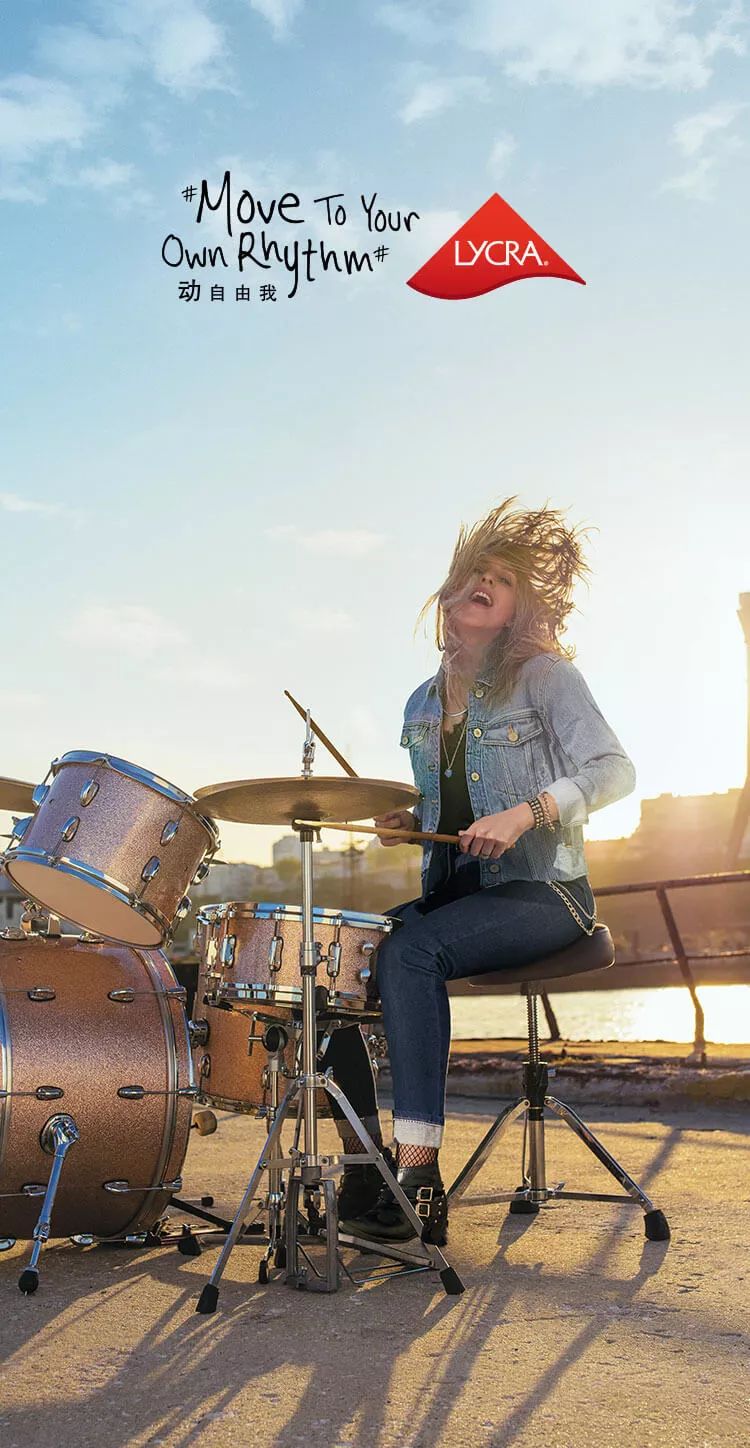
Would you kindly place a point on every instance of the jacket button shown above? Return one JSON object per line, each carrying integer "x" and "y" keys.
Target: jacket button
{"x": 405, "y": 739}
{"x": 479, "y": 693}
{"x": 512, "y": 734}
{"x": 494, "y": 869}
{"x": 477, "y": 733}
{"x": 474, "y": 775}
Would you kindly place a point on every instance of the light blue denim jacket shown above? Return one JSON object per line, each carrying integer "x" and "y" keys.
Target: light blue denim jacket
{"x": 549, "y": 735}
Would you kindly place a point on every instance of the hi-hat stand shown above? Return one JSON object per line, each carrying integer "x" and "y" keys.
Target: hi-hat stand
{"x": 310, "y": 1174}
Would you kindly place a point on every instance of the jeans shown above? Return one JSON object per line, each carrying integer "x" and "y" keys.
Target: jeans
{"x": 457, "y": 929}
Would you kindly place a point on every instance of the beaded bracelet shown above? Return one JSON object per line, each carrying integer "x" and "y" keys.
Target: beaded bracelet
{"x": 540, "y": 811}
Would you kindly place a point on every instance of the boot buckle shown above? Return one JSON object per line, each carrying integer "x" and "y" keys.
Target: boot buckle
{"x": 423, "y": 1203}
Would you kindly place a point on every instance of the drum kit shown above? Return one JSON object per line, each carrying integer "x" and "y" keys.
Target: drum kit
{"x": 100, "y": 1066}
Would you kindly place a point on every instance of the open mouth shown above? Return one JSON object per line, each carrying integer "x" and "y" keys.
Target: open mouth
{"x": 479, "y": 596}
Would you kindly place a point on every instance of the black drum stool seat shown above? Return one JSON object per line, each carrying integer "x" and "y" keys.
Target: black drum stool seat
{"x": 591, "y": 952}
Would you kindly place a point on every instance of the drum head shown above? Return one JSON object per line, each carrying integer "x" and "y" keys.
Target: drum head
{"x": 91, "y": 906}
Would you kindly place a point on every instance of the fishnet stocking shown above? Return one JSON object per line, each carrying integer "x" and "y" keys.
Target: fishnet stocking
{"x": 408, "y": 1155}
{"x": 354, "y": 1147}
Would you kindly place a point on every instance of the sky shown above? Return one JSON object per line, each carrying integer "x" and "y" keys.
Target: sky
{"x": 204, "y": 503}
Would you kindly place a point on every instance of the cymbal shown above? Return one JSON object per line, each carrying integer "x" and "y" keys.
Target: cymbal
{"x": 15, "y": 795}
{"x": 279, "y": 801}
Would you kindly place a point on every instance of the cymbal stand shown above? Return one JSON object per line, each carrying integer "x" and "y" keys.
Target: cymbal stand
{"x": 310, "y": 1173}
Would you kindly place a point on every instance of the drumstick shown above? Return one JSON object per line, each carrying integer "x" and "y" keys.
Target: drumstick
{"x": 323, "y": 738}
{"x": 373, "y": 830}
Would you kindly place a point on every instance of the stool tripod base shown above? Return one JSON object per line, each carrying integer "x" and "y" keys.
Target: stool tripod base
{"x": 534, "y": 1192}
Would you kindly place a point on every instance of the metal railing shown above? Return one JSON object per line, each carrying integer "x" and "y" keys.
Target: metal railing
{"x": 681, "y": 956}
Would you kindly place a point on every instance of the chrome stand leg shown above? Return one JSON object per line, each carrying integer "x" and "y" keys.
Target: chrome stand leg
{"x": 210, "y": 1294}
{"x": 567, "y": 1114}
{"x": 428, "y": 1250}
{"x": 57, "y": 1137}
{"x": 479, "y": 1157}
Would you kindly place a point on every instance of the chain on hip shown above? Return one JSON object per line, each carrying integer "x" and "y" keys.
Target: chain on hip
{"x": 575, "y": 908}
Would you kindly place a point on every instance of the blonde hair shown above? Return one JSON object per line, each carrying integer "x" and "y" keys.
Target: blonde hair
{"x": 546, "y": 557}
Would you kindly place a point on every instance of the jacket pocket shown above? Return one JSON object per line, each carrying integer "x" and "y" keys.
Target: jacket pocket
{"x": 517, "y": 755}
{"x": 415, "y": 738}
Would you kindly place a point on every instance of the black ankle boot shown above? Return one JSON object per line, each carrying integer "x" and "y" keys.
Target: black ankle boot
{"x": 359, "y": 1187}
{"x": 387, "y": 1222}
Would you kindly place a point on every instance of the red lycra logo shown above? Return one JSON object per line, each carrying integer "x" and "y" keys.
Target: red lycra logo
{"x": 494, "y": 247}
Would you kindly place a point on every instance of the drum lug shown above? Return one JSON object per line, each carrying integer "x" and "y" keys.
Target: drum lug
{"x": 124, "y": 996}
{"x": 169, "y": 831}
{"x": 150, "y": 869}
{"x": 183, "y": 908}
{"x": 70, "y": 828}
{"x": 90, "y": 791}
{"x": 333, "y": 957}
{"x": 42, "y": 993}
{"x": 364, "y": 975}
{"x": 201, "y": 872}
{"x": 228, "y": 947}
{"x": 20, "y": 826}
{"x": 39, "y": 795}
{"x": 49, "y": 1093}
{"x": 199, "y": 1032}
{"x": 276, "y": 947}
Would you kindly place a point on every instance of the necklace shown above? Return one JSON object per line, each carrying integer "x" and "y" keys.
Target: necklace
{"x": 450, "y": 761}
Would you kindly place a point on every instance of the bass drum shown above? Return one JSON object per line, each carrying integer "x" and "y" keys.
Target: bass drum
{"x": 99, "y": 1032}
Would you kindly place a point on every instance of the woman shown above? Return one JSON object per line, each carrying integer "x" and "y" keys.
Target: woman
{"x": 511, "y": 753}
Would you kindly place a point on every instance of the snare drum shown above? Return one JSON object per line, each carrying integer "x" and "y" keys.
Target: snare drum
{"x": 112, "y": 848}
{"x": 252, "y": 953}
{"x": 98, "y": 1032}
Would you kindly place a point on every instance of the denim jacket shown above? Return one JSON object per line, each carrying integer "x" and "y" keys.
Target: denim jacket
{"x": 549, "y": 735}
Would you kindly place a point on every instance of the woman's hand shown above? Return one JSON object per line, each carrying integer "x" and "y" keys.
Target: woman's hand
{"x": 488, "y": 838}
{"x": 398, "y": 819}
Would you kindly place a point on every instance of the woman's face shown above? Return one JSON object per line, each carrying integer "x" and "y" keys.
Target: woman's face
{"x": 488, "y": 602}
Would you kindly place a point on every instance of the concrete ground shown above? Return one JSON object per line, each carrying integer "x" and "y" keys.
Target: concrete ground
{"x": 573, "y": 1332}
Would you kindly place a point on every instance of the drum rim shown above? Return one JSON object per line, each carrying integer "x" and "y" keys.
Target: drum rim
{"x": 267, "y": 910}
{"x": 283, "y": 995}
{"x": 99, "y": 880}
{"x": 141, "y": 776}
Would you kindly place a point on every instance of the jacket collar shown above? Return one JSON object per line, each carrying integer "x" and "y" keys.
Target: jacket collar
{"x": 434, "y": 684}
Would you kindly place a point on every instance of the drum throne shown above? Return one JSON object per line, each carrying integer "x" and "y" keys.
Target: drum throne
{"x": 590, "y": 953}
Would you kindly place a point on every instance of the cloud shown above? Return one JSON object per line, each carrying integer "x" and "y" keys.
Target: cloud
{"x": 132, "y": 627}
{"x": 501, "y": 152}
{"x": 90, "y": 68}
{"x": 278, "y": 13}
{"x": 442, "y": 93}
{"x": 334, "y": 542}
{"x": 410, "y": 22}
{"x": 14, "y": 503}
{"x": 692, "y": 132}
{"x": 432, "y": 230}
{"x": 37, "y": 114}
{"x": 106, "y": 174}
{"x": 649, "y": 43}
{"x": 707, "y": 142}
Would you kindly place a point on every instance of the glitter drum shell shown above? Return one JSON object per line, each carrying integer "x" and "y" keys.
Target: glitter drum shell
{"x": 251, "y": 953}
{"x": 85, "y": 1019}
{"x": 231, "y": 1069}
{"x": 112, "y": 848}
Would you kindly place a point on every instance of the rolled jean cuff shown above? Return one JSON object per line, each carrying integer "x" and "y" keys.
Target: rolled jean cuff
{"x": 417, "y": 1133}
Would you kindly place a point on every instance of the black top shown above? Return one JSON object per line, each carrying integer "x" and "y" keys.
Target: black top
{"x": 456, "y": 812}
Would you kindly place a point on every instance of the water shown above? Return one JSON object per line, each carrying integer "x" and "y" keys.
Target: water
{"x": 662, "y": 1013}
